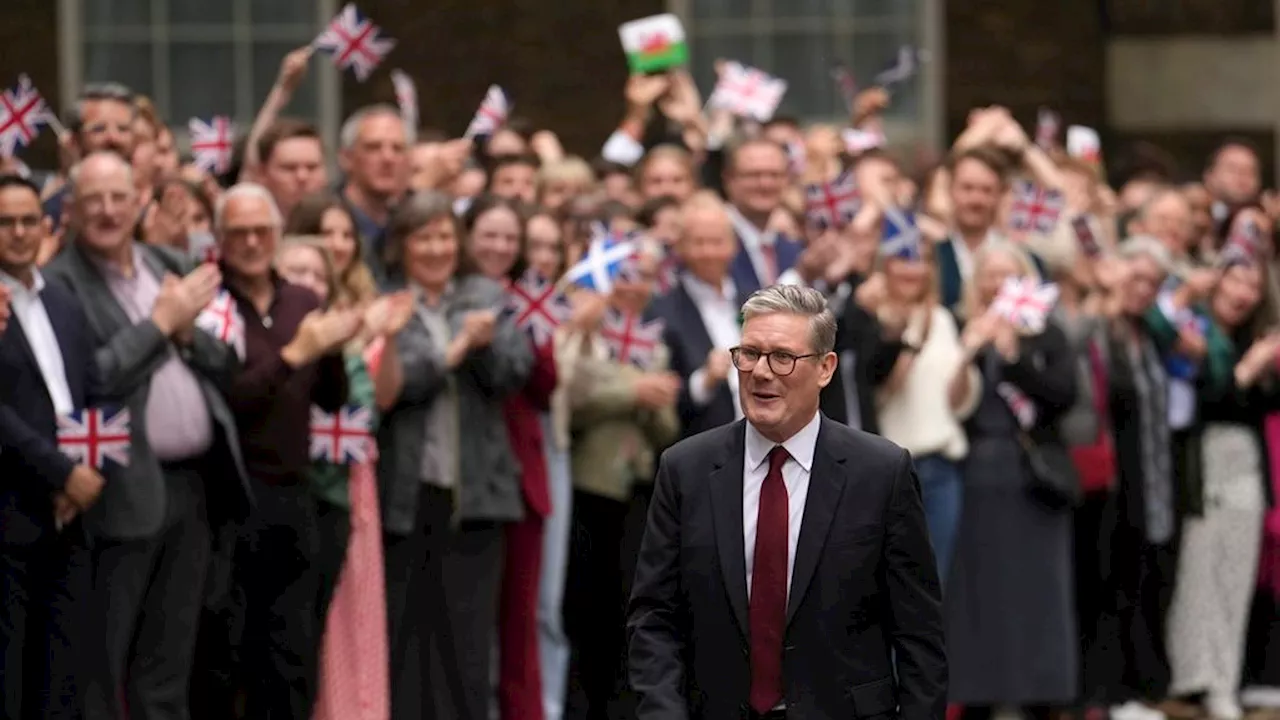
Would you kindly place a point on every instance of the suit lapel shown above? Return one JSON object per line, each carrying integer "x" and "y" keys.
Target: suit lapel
{"x": 58, "y": 317}
{"x": 826, "y": 484}
{"x": 100, "y": 304}
{"x": 698, "y": 340}
{"x": 726, "y": 508}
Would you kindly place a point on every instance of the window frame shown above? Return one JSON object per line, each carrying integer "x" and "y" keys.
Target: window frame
{"x": 930, "y": 129}
{"x": 71, "y": 57}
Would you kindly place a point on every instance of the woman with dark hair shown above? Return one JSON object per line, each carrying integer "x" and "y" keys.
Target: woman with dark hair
{"x": 495, "y": 249}
{"x": 324, "y": 215}
{"x": 449, "y": 480}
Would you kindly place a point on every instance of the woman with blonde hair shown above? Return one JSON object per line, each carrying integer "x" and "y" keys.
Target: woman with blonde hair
{"x": 324, "y": 215}
{"x": 561, "y": 180}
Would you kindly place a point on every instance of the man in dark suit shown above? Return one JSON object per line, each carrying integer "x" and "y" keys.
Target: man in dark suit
{"x": 755, "y": 177}
{"x": 786, "y": 570}
{"x": 46, "y": 359}
{"x": 700, "y": 317}
{"x": 153, "y": 531}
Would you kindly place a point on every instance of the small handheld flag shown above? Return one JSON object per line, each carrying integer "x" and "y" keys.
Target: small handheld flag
{"x": 492, "y": 113}
{"x": 1047, "y": 125}
{"x": 94, "y": 436}
{"x": 1025, "y": 303}
{"x": 212, "y": 143}
{"x": 606, "y": 256}
{"x": 1084, "y": 143}
{"x": 747, "y": 92}
{"x": 1035, "y": 209}
{"x": 343, "y": 437}
{"x": 630, "y": 339}
{"x": 538, "y": 306}
{"x": 221, "y": 319}
{"x": 905, "y": 66}
{"x": 857, "y": 141}
{"x": 354, "y": 42}
{"x": 834, "y": 204}
{"x": 1087, "y": 234}
{"x": 22, "y": 113}
{"x": 407, "y": 100}
{"x": 845, "y": 83}
{"x": 654, "y": 44}
{"x": 900, "y": 237}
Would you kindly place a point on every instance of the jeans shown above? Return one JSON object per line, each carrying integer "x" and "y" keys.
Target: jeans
{"x": 942, "y": 488}
{"x": 553, "y": 645}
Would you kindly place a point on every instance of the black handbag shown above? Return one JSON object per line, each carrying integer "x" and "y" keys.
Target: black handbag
{"x": 1053, "y": 479}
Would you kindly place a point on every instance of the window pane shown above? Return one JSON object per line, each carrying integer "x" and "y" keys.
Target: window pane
{"x": 804, "y": 62}
{"x": 297, "y": 12}
{"x": 266, "y": 66}
{"x": 199, "y": 11}
{"x": 99, "y": 13}
{"x": 202, "y": 81}
{"x": 824, "y": 9}
{"x": 721, "y": 9}
{"x": 129, "y": 64}
{"x": 885, "y": 9}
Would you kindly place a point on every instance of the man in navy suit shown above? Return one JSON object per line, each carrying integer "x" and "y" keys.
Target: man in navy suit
{"x": 755, "y": 177}
{"x": 46, "y": 358}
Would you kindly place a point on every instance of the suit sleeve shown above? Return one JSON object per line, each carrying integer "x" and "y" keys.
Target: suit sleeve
{"x": 656, "y": 615}
{"x": 45, "y": 461}
{"x": 915, "y": 602}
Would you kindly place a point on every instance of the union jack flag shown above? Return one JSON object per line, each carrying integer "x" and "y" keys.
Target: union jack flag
{"x": 1022, "y": 407}
{"x": 407, "y": 99}
{"x": 343, "y": 437}
{"x": 832, "y": 205}
{"x": 843, "y": 78}
{"x": 212, "y": 143}
{"x": 1034, "y": 208}
{"x": 1026, "y": 303}
{"x": 354, "y": 42}
{"x": 748, "y": 92}
{"x": 95, "y": 435}
{"x": 1245, "y": 236}
{"x": 905, "y": 66}
{"x": 900, "y": 237}
{"x": 858, "y": 141}
{"x": 492, "y": 113}
{"x": 1087, "y": 233}
{"x": 22, "y": 112}
{"x": 539, "y": 308}
{"x": 630, "y": 339}
{"x": 1047, "y": 125}
{"x": 606, "y": 256}
{"x": 221, "y": 319}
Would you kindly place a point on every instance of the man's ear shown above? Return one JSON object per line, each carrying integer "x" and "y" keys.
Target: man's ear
{"x": 827, "y": 369}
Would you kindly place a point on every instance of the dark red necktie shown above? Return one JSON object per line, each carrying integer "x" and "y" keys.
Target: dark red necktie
{"x": 768, "y": 617}
{"x": 769, "y": 252}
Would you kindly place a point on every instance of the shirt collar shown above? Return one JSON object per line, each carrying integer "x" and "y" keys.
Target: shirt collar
{"x": 700, "y": 291}
{"x": 14, "y": 284}
{"x": 800, "y": 446}
{"x": 111, "y": 270}
{"x": 420, "y": 295}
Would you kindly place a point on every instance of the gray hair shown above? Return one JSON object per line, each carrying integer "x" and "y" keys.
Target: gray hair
{"x": 99, "y": 91}
{"x": 74, "y": 174}
{"x": 246, "y": 190}
{"x": 1149, "y": 247}
{"x": 350, "y": 132}
{"x": 796, "y": 300}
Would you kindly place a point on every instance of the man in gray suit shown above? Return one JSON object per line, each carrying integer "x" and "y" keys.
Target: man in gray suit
{"x": 152, "y": 537}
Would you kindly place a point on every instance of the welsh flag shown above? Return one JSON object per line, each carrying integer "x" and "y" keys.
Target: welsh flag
{"x": 654, "y": 44}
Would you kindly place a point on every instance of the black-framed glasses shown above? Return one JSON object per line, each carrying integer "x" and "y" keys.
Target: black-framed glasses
{"x": 781, "y": 362}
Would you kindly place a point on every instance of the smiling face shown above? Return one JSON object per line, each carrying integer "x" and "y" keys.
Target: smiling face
{"x": 780, "y": 405}
{"x": 1237, "y": 294}
{"x": 106, "y": 203}
{"x": 494, "y": 244}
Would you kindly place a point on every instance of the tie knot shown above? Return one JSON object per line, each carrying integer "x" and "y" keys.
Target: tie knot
{"x": 777, "y": 458}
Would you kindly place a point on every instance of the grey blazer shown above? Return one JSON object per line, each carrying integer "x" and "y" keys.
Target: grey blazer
{"x": 132, "y": 504}
{"x": 489, "y": 480}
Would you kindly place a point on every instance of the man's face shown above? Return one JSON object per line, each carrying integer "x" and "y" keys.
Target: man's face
{"x": 1168, "y": 218}
{"x": 758, "y": 179}
{"x": 294, "y": 170}
{"x": 248, "y": 236}
{"x": 707, "y": 246}
{"x": 107, "y": 125}
{"x": 378, "y": 161}
{"x": 1234, "y": 177}
{"x": 975, "y": 196}
{"x": 106, "y": 204}
{"x": 778, "y": 404}
{"x": 1201, "y": 209}
{"x": 22, "y": 227}
{"x": 515, "y": 182}
{"x": 423, "y": 159}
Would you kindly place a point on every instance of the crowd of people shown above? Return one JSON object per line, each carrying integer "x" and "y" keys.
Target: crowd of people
{"x": 1097, "y": 488}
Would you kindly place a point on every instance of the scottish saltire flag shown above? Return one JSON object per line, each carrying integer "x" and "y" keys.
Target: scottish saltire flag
{"x": 905, "y": 66}
{"x": 344, "y": 437}
{"x": 606, "y": 256}
{"x": 834, "y": 204}
{"x": 95, "y": 436}
{"x": 1035, "y": 209}
{"x": 1026, "y": 303}
{"x": 538, "y": 306}
{"x": 900, "y": 237}
{"x": 212, "y": 143}
{"x": 221, "y": 319}
{"x": 492, "y": 113}
{"x": 631, "y": 340}
{"x": 354, "y": 42}
{"x": 747, "y": 92}
{"x": 23, "y": 112}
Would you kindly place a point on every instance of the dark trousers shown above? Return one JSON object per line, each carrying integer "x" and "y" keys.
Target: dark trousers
{"x": 442, "y": 610}
{"x": 333, "y": 525}
{"x": 44, "y": 582}
{"x": 147, "y": 599}
{"x": 594, "y": 603}
{"x": 275, "y": 567}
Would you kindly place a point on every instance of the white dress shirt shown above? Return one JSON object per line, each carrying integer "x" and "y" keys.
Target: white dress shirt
{"x": 28, "y": 308}
{"x": 718, "y": 309}
{"x": 795, "y": 475}
{"x": 753, "y": 239}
